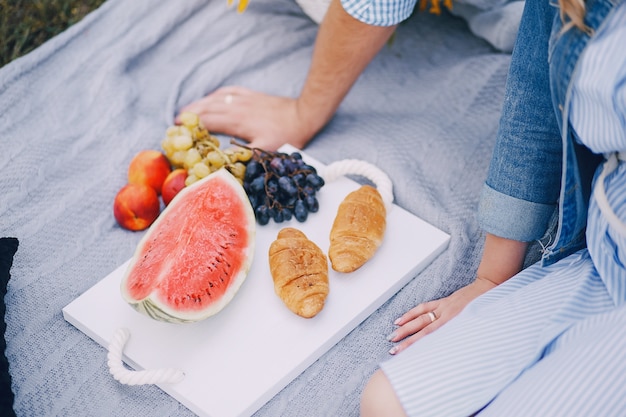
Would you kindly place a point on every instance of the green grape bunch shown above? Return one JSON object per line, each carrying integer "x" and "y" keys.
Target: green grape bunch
{"x": 191, "y": 146}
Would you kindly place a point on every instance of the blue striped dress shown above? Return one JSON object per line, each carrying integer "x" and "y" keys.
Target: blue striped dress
{"x": 550, "y": 341}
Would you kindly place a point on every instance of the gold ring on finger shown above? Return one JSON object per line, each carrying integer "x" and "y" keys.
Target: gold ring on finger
{"x": 432, "y": 316}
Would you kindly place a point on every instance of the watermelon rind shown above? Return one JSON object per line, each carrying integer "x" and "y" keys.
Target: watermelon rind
{"x": 153, "y": 304}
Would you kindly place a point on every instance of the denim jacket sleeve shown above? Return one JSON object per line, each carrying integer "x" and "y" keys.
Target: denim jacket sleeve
{"x": 521, "y": 191}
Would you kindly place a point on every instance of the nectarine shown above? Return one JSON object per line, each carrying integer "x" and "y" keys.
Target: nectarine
{"x": 174, "y": 182}
{"x": 136, "y": 206}
{"x": 149, "y": 167}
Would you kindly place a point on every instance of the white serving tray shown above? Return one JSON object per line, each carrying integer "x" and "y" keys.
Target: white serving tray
{"x": 237, "y": 360}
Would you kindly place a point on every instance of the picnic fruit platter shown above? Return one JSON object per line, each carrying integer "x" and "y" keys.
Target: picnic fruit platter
{"x": 197, "y": 252}
{"x": 292, "y": 288}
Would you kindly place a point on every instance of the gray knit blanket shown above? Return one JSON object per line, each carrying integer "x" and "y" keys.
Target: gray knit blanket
{"x": 74, "y": 112}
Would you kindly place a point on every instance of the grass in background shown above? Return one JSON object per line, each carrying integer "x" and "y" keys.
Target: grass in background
{"x": 26, "y": 24}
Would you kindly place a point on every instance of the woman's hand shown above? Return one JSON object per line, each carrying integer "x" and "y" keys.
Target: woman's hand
{"x": 419, "y": 321}
{"x": 265, "y": 121}
{"x": 502, "y": 258}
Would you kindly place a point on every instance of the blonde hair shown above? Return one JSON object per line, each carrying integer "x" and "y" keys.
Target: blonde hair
{"x": 572, "y": 15}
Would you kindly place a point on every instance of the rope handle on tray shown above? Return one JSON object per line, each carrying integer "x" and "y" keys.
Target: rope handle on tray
{"x": 365, "y": 169}
{"x": 128, "y": 377}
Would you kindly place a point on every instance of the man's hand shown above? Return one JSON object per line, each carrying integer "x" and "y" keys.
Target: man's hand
{"x": 265, "y": 121}
{"x": 343, "y": 48}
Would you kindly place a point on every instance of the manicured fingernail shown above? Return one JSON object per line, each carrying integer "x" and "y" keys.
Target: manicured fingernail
{"x": 397, "y": 322}
{"x": 391, "y": 336}
{"x": 393, "y": 350}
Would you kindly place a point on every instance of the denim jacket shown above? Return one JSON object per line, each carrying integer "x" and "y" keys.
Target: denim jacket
{"x": 539, "y": 174}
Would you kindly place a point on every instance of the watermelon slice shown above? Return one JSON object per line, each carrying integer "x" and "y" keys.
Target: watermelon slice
{"x": 196, "y": 255}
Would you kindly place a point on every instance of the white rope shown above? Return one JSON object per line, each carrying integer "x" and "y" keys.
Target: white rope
{"x": 365, "y": 169}
{"x": 600, "y": 193}
{"x": 128, "y": 377}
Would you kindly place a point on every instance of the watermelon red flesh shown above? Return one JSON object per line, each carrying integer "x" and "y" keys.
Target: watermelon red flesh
{"x": 196, "y": 255}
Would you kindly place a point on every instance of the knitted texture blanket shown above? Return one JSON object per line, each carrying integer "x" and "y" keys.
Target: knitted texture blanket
{"x": 74, "y": 112}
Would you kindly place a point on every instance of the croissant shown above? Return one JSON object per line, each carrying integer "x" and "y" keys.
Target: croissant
{"x": 358, "y": 229}
{"x": 299, "y": 269}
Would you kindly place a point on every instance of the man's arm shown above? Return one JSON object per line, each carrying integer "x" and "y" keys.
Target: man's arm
{"x": 343, "y": 48}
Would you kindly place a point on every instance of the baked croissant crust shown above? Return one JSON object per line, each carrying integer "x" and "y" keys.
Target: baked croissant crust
{"x": 299, "y": 269}
{"x": 358, "y": 229}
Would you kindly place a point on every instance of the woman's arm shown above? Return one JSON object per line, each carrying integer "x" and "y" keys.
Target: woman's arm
{"x": 343, "y": 49}
{"x": 522, "y": 187}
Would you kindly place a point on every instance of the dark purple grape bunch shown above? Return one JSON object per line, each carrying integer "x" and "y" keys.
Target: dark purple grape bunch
{"x": 281, "y": 186}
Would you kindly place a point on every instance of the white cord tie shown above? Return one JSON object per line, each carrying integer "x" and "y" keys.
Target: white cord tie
{"x": 365, "y": 169}
{"x": 128, "y": 377}
{"x": 599, "y": 192}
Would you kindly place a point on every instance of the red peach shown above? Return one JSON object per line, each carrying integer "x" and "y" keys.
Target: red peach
{"x": 174, "y": 182}
{"x": 136, "y": 206}
{"x": 149, "y": 167}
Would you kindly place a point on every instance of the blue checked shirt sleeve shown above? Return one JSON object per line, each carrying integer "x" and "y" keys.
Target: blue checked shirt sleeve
{"x": 379, "y": 12}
